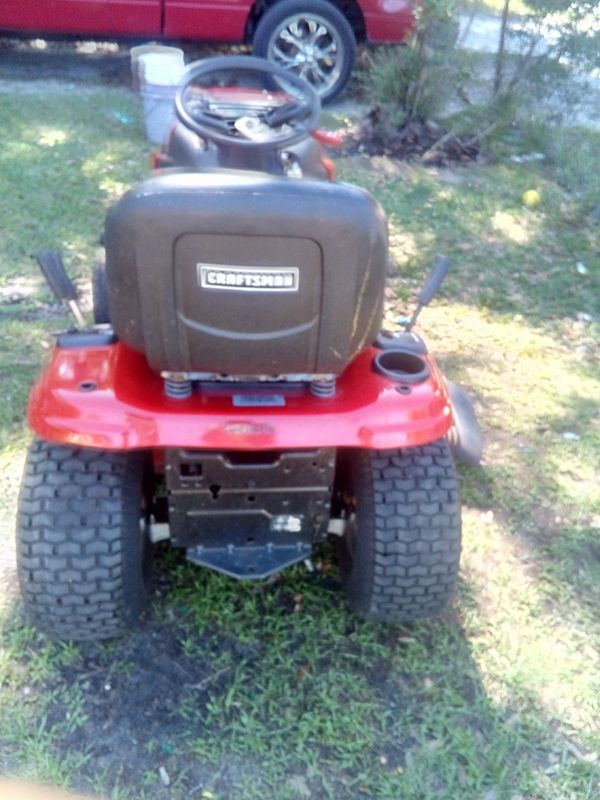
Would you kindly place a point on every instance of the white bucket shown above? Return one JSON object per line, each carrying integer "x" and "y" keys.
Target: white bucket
{"x": 159, "y": 111}
{"x": 156, "y": 64}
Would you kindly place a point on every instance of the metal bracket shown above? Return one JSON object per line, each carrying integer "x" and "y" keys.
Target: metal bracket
{"x": 250, "y": 562}
{"x": 159, "y": 532}
{"x": 337, "y": 527}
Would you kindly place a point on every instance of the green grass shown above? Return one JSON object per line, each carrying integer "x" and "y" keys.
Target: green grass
{"x": 57, "y": 178}
{"x": 275, "y": 690}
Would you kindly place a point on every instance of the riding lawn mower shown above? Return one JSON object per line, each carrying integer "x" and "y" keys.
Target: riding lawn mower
{"x": 236, "y": 395}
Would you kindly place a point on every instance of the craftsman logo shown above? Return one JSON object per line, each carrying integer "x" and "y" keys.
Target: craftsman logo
{"x": 248, "y": 279}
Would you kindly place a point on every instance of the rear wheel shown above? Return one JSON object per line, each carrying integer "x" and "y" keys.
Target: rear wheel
{"x": 312, "y": 39}
{"x": 82, "y": 547}
{"x": 399, "y": 556}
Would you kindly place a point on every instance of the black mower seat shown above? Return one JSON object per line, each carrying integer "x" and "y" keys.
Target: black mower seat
{"x": 246, "y": 273}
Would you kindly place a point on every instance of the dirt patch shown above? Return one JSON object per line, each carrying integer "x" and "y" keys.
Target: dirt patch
{"x": 133, "y": 702}
{"x": 418, "y": 140}
{"x": 132, "y": 697}
{"x": 145, "y": 701}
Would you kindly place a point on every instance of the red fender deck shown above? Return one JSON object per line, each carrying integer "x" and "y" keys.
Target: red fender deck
{"x": 107, "y": 397}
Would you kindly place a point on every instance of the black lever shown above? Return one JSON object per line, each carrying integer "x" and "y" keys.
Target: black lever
{"x": 433, "y": 283}
{"x": 62, "y": 286}
{"x": 283, "y": 114}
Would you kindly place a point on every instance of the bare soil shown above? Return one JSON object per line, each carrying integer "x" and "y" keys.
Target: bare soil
{"x": 419, "y": 139}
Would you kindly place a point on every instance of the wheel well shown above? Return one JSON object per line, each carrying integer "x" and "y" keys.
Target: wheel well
{"x": 349, "y": 8}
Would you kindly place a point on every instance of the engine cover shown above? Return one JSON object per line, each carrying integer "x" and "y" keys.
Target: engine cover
{"x": 246, "y": 273}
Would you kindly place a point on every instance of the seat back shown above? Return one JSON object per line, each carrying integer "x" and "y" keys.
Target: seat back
{"x": 245, "y": 273}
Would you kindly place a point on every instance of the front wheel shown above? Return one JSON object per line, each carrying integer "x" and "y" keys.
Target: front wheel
{"x": 82, "y": 548}
{"x": 312, "y": 39}
{"x": 400, "y": 553}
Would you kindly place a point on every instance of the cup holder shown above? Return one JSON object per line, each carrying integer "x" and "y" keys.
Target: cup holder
{"x": 401, "y": 366}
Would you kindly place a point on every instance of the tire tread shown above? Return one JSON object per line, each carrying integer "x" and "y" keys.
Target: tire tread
{"x": 407, "y": 551}
{"x": 79, "y": 547}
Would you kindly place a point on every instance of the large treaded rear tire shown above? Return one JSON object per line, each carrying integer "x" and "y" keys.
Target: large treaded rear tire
{"x": 82, "y": 556}
{"x": 399, "y": 557}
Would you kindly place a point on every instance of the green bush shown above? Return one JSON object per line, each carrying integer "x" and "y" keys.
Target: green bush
{"x": 413, "y": 81}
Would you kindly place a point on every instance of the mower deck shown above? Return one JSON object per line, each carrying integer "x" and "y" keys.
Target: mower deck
{"x": 107, "y": 397}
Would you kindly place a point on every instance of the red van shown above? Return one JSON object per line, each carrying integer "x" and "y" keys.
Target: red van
{"x": 313, "y": 38}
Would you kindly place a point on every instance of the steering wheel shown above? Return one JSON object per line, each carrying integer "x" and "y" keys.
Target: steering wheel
{"x": 246, "y": 102}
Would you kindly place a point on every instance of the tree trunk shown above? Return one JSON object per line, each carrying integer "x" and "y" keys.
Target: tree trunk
{"x": 501, "y": 46}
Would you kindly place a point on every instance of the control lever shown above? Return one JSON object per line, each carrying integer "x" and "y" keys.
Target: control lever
{"x": 62, "y": 286}
{"x": 433, "y": 283}
{"x": 279, "y": 116}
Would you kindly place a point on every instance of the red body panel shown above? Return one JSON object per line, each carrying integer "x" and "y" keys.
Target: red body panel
{"x": 223, "y": 21}
{"x": 387, "y": 20}
{"x": 203, "y": 20}
{"x": 93, "y": 17}
{"x": 128, "y": 409}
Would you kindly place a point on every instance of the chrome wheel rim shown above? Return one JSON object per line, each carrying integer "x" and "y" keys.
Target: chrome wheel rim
{"x": 309, "y": 46}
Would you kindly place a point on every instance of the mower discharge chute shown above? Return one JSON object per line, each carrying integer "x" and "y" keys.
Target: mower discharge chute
{"x": 242, "y": 401}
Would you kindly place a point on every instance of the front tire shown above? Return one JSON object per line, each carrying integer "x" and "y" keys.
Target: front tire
{"x": 313, "y": 39}
{"x": 82, "y": 554}
{"x": 400, "y": 554}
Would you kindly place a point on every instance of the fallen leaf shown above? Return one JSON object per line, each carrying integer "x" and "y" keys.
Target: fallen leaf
{"x": 491, "y": 794}
{"x": 164, "y": 776}
{"x": 299, "y": 785}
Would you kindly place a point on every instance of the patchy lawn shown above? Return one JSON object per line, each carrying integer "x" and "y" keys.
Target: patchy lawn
{"x": 274, "y": 690}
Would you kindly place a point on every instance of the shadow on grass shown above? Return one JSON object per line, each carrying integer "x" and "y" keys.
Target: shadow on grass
{"x": 265, "y": 691}
{"x": 65, "y": 60}
{"x": 62, "y": 61}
